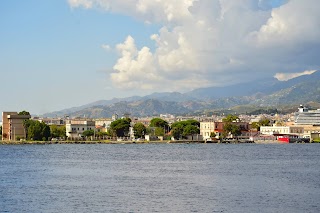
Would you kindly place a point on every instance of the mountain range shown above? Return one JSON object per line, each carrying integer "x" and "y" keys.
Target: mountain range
{"x": 268, "y": 92}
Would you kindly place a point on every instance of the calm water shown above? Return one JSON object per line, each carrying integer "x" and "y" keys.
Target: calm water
{"x": 160, "y": 178}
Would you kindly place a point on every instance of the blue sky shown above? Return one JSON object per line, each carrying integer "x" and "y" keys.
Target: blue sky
{"x": 52, "y": 55}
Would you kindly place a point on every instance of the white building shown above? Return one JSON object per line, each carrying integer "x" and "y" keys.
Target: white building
{"x": 206, "y": 127}
{"x": 114, "y": 117}
{"x": 75, "y": 127}
{"x": 272, "y": 130}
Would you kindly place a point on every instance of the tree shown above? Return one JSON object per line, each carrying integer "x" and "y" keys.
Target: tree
{"x": 158, "y": 122}
{"x": 184, "y": 128}
{"x": 26, "y": 125}
{"x": 45, "y": 131}
{"x": 213, "y": 134}
{"x": 102, "y": 134}
{"x": 25, "y": 122}
{"x": 190, "y": 130}
{"x": 159, "y": 131}
{"x": 24, "y": 113}
{"x": 88, "y": 133}
{"x": 231, "y": 128}
{"x": 255, "y": 125}
{"x": 193, "y": 123}
{"x": 58, "y": 131}
{"x": 120, "y": 127}
{"x": 176, "y": 132}
{"x": 264, "y": 122}
{"x": 127, "y": 119}
{"x": 235, "y": 130}
{"x": 231, "y": 118}
{"x": 186, "y": 123}
{"x": 139, "y": 130}
{"x": 36, "y": 130}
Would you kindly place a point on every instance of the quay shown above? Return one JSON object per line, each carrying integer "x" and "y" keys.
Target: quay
{"x": 122, "y": 142}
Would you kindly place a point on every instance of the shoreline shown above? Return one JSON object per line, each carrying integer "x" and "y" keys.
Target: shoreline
{"x": 131, "y": 142}
{"x": 113, "y": 142}
{"x": 76, "y": 142}
{"x": 91, "y": 142}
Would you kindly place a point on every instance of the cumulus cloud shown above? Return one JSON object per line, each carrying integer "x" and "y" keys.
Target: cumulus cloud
{"x": 296, "y": 21}
{"x": 213, "y": 42}
{"x": 288, "y": 76}
{"x": 135, "y": 68}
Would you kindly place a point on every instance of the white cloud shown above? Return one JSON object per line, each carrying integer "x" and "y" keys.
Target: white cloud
{"x": 135, "y": 68}
{"x": 296, "y": 21}
{"x": 77, "y": 3}
{"x": 288, "y": 76}
{"x": 212, "y": 42}
{"x": 106, "y": 47}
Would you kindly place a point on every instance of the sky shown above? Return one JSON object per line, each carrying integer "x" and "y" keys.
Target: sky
{"x": 56, "y": 54}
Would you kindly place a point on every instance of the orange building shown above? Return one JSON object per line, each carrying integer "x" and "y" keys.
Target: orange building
{"x": 207, "y": 127}
{"x": 12, "y": 125}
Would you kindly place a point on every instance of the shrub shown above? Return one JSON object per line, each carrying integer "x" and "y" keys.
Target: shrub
{"x": 316, "y": 140}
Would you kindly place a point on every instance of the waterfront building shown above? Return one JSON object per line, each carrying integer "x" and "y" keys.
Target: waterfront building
{"x": 76, "y": 127}
{"x": 206, "y": 128}
{"x": 244, "y": 127}
{"x": 145, "y": 122}
{"x": 276, "y": 130}
{"x": 103, "y": 122}
{"x": 50, "y": 121}
{"x": 12, "y": 125}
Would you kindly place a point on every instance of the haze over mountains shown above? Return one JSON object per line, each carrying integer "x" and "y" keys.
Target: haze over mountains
{"x": 266, "y": 92}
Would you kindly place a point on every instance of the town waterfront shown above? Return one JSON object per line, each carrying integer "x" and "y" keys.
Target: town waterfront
{"x": 160, "y": 178}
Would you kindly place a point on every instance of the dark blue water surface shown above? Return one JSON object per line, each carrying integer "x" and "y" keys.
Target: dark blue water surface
{"x": 160, "y": 178}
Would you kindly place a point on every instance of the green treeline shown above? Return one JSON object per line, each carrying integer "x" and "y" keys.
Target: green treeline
{"x": 182, "y": 129}
{"x": 34, "y": 130}
{"x": 157, "y": 127}
{"x": 39, "y": 131}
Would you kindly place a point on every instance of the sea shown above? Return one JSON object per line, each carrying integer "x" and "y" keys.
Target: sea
{"x": 160, "y": 178}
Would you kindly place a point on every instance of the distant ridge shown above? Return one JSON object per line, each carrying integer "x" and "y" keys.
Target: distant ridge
{"x": 264, "y": 92}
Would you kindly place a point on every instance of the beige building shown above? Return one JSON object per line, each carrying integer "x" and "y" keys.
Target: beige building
{"x": 50, "y": 121}
{"x": 12, "y": 125}
{"x": 103, "y": 122}
{"x": 145, "y": 122}
{"x": 272, "y": 130}
{"x": 75, "y": 127}
{"x": 311, "y": 131}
